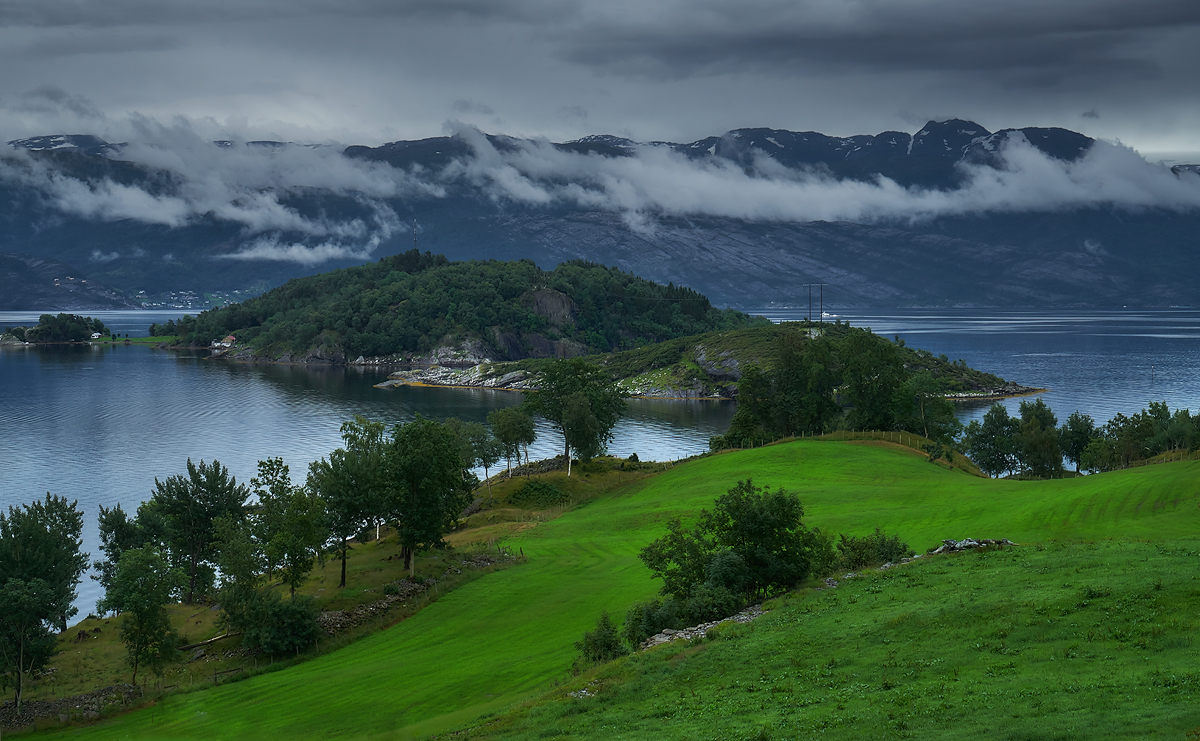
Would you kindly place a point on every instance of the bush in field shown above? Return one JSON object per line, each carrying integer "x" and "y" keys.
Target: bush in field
{"x": 282, "y": 626}
{"x": 856, "y": 552}
{"x": 599, "y": 645}
{"x": 760, "y": 527}
{"x": 538, "y": 494}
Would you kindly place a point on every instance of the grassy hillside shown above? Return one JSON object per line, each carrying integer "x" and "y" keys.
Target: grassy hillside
{"x": 1066, "y": 641}
{"x": 707, "y": 360}
{"x": 502, "y": 638}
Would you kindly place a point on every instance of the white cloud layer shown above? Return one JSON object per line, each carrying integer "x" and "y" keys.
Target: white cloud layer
{"x": 246, "y": 185}
{"x": 659, "y": 181}
{"x": 251, "y": 187}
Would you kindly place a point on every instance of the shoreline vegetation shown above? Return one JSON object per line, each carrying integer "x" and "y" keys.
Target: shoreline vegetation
{"x": 708, "y": 365}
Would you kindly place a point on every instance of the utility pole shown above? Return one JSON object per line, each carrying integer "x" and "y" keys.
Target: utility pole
{"x": 810, "y": 287}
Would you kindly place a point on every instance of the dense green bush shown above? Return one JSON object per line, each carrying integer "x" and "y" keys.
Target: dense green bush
{"x": 760, "y": 527}
{"x": 282, "y": 626}
{"x": 538, "y": 494}
{"x": 599, "y": 645}
{"x": 856, "y": 552}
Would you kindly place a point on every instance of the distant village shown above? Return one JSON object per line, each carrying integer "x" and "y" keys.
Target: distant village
{"x": 190, "y": 299}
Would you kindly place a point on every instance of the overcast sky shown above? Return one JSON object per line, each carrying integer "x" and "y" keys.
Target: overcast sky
{"x": 370, "y": 71}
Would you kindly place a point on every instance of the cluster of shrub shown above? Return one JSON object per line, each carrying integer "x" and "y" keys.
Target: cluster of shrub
{"x": 1034, "y": 444}
{"x": 60, "y": 328}
{"x": 752, "y": 545}
{"x": 409, "y": 302}
{"x": 204, "y": 537}
{"x": 841, "y": 377}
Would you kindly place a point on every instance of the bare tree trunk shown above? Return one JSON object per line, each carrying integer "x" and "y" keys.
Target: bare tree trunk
{"x": 192, "y": 583}
{"x": 20, "y": 676}
{"x": 343, "y": 565}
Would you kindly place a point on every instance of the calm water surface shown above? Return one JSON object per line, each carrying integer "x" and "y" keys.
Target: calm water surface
{"x": 98, "y": 424}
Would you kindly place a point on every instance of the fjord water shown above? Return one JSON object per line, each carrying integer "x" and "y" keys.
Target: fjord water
{"x": 99, "y": 423}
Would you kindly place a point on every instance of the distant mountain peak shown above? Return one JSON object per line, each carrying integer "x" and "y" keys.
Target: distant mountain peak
{"x": 82, "y": 143}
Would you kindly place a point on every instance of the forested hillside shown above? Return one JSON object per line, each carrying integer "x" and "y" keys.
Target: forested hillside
{"x": 417, "y": 302}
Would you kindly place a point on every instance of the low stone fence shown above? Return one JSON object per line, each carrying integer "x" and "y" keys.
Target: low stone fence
{"x": 334, "y": 622}
{"x": 699, "y": 631}
{"x": 77, "y": 707}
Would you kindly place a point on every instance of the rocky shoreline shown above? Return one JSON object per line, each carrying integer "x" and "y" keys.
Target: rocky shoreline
{"x": 482, "y": 376}
{"x": 468, "y": 365}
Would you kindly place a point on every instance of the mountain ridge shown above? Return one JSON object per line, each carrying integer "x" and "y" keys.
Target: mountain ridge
{"x": 1081, "y": 254}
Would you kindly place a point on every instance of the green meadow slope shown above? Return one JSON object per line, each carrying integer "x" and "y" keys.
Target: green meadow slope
{"x": 507, "y": 637}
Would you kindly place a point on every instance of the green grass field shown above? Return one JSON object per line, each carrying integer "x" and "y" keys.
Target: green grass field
{"x": 1065, "y": 641}
{"x": 483, "y": 648}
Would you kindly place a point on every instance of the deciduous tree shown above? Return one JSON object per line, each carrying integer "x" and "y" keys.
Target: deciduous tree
{"x": 990, "y": 442}
{"x": 42, "y": 540}
{"x": 1036, "y": 440}
{"x": 557, "y": 402}
{"x": 144, "y": 583}
{"x": 189, "y": 505}
{"x": 424, "y": 467}
{"x": 352, "y": 483}
{"x": 512, "y": 428}
{"x": 1074, "y": 436}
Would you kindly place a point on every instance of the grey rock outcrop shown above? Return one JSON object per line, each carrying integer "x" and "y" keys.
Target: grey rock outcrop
{"x": 699, "y": 631}
{"x": 967, "y": 544}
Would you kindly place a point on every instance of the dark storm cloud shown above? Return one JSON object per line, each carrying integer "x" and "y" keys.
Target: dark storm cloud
{"x": 55, "y": 47}
{"x": 53, "y": 100}
{"x": 1058, "y": 40}
{"x": 369, "y": 71}
{"x": 71, "y": 13}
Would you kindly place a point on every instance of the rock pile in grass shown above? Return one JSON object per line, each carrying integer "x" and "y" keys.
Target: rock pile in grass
{"x": 340, "y": 621}
{"x": 957, "y": 546}
{"x": 77, "y": 707}
{"x": 699, "y": 631}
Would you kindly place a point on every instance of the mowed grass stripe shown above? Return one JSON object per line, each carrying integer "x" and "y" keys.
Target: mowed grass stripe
{"x": 497, "y": 639}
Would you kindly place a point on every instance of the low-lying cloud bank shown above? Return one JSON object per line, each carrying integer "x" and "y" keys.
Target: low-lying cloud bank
{"x": 659, "y": 181}
{"x": 258, "y": 188}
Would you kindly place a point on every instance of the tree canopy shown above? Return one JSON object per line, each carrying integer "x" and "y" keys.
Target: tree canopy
{"x": 424, "y": 465}
{"x": 410, "y": 302}
{"x": 40, "y": 568}
{"x": 833, "y": 377}
{"x": 188, "y": 505}
{"x": 63, "y": 328}
{"x": 581, "y": 401}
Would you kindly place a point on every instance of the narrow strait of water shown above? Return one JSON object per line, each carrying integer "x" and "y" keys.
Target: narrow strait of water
{"x": 100, "y": 423}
